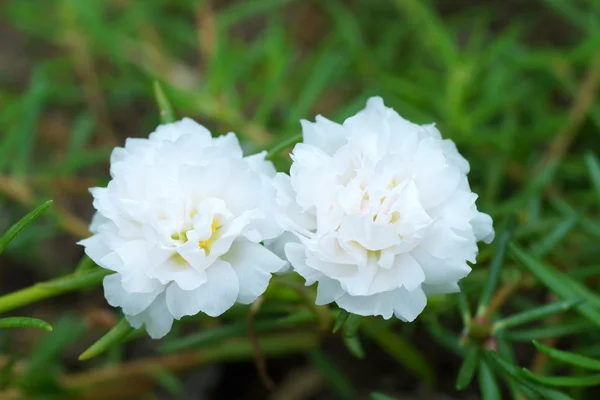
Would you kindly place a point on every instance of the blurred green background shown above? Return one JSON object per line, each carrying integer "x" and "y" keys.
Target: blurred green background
{"x": 514, "y": 83}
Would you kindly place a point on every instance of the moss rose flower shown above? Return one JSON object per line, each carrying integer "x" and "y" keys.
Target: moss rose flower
{"x": 181, "y": 223}
{"x": 382, "y": 212}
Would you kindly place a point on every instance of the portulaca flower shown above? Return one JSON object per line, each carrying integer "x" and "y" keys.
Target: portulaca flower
{"x": 382, "y": 212}
{"x": 181, "y": 223}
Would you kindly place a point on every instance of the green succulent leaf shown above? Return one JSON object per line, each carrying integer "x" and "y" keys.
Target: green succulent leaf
{"x": 402, "y": 350}
{"x": 340, "y": 320}
{"x": 488, "y": 385}
{"x": 352, "y": 324}
{"x": 210, "y": 336}
{"x": 536, "y": 314}
{"x": 164, "y": 106}
{"x": 547, "y": 332}
{"x": 574, "y": 359}
{"x": 593, "y": 166}
{"x": 564, "y": 381}
{"x": 468, "y": 368}
{"x": 493, "y": 274}
{"x": 522, "y": 378}
{"x": 332, "y": 375}
{"x": 52, "y": 288}
{"x": 561, "y": 284}
{"x": 354, "y": 346}
{"x": 169, "y": 381}
{"x": 14, "y": 230}
{"x": 381, "y": 396}
{"x": 116, "y": 335}
{"x": 25, "y": 322}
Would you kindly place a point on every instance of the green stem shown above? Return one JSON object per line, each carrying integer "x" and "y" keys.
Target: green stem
{"x": 116, "y": 335}
{"x": 51, "y": 288}
{"x": 234, "y": 350}
{"x": 284, "y": 144}
{"x": 164, "y": 106}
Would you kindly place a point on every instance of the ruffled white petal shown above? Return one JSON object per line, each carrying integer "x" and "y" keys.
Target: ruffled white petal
{"x": 253, "y": 265}
{"x": 131, "y": 303}
{"x": 382, "y": 213}
{"x": 156, "y": 318}
{"x": 213, "y": 298}
{"x": 178, "y": 203}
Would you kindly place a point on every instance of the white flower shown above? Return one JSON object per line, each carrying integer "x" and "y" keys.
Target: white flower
{"x": 382, "y": 212}
{"x": 181, "y": 223}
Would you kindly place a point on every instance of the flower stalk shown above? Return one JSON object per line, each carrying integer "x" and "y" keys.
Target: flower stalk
{"x": 52, "y": 288}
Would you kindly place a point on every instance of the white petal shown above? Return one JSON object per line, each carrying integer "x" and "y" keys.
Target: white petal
{"x": 277, "y": 245}
{"x": 328, "y": 291}
{"x": 131, "y": 303}
{"x": 230, "y": 143}
{"x": 258, "y": 164}
{"x": 408, "y": 305}
{"x": 134, "y": 255}
{"x": 176, "y": 269}
{"x": 157, "y": 318}
{"x": 440, "y": 270}
{"x": 409, "y": 272}
{"x": 213, "y": 298}
{"x": 96, "y": 247}
{"x": 454, "y": 157}
{"x": 371, "y": 235}
{"x": 444, "y": 288}
{"x": 296, "y": 254}
{"x": 385, "y": 280}
{"x": 175, "y": 130}
{"x": 483, "y": 227}
{"x": 253, "y": 265}
{"x": 377, "y": 304}
{"x": 324, "y": 134}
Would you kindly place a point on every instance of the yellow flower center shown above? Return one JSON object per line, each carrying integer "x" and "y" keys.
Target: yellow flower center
{"x": 206, "y": 244}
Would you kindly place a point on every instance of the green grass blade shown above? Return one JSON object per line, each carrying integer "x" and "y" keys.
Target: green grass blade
{"x": 116, "y": 335}
{"x": 518, "y": 374}
{"x": 400, "y": 349}
{"x": 14, "y": 230}
{"x": 593, "y": 166}
{"x": 564, "y": 381}
{"x": 488, "y": 385}
{"x": 25, "y": 322}
{"x": 496, "y": 266}
{"x": 51, "y": 288}
{"x": 561, "y": 284}
{"x": 164, "y": 106}
{"x": 32, "y": 103}
{"x": 170, "y": 382}
{"x": 66, "y": 331}
{"x": 568, "y": 357}
{"x": 324, "y": 71}
{"x": 213, "y": 335}
{"x": 240, "y": 11}
{"x": 550, "y": 241}
{"x": 203, "y": 338}
{"x": 463, "y": 307}
{"x": 340, "y": 320}
{"x": 535, "y": 314}
{"x": 468, "y": 368}
{"x": 332, "y": 375}
{"x": 430, "y": 30}
{"x": 585, "y": 272}
{"x": 354, "y": 346}
{"x": 282, "y": 145}
{"x": 548, "y": 332}
{"x": 352, "y": 324}
{"x": 381, "y": 396}
{"x": 82, "y": 132}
